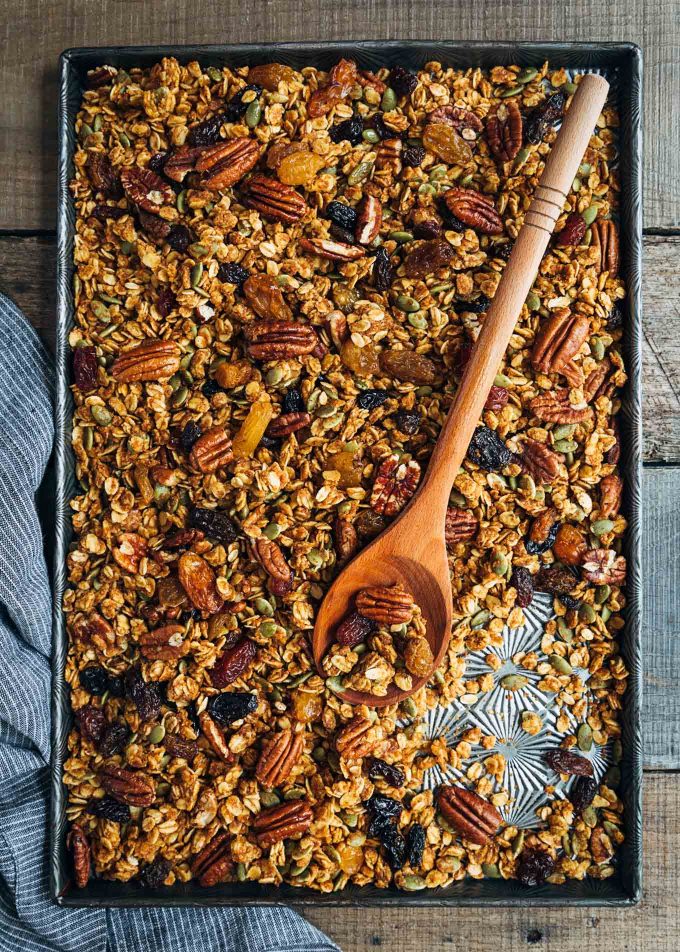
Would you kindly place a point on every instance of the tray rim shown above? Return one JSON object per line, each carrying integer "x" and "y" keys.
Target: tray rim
{"x": 620, "y": 55}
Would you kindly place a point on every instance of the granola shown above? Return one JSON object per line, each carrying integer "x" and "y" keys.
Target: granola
{"x": 279, "y": 275}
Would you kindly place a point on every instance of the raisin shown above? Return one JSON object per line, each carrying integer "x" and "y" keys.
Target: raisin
{"x": 572, "y": 231}
{"x": 293, "y": 402}
{"x": 190, "y": 434}
{"x": 497, "y": 399}
{"x": 537, "y": 548}
{"x": 181, "y": 747}
{"x": 412, "y": 156}
{"x": 380, "y": 127}
{"x": 227, "y": 708}
{"x": 116, "y": 687}
{"x": 446, "y": 144}
{"x": 236, "y": 107}
{"x": 157, "y": 162}
{"x": 556, "y": 579}
{"x": 383, "y": 272}
{"x": 233, "y": 662}
{"x": 353, "y": 630}
{"x": 381, "y": 808}
{"x": 370, "y": 399}
{"x": 615, "y": 318}
{"x": 583, "y": 792}
{"x": 343, "y": 215}
{"x": 145, "y": 697}
{"x": 522, "y": 580}
{"x": 109, "y": 809}
{"x": 567, "y": 762}
{"x": 428, "y": 257}
{"x": 402, "y": 81}
{"x": 429, "y": 228}
{"x": 91, "y": 722}
{"x": 104, "y": 212}
{"x": 94, "y": 679}
{"x": 488, "y": 450}
{"x": 573, "y": 604}
{"x": 179, "y": 238}
{"x": 166, "y": 302}
{"x": 207, "y": 132}
{"x": 343, "y": 235}
{"x": 394, "y": 845}
{"x": 210, "y": 388}
{"x": 154, "y": 874}
{"x": 232, "y": 273}
{"x": 535, "y": 865}
{"x": 408, "y": 421}
{"x": 85, "y": 368}
{"x": 350, "y": 130}
{"x": 369, "y": 523}
{"x": 451, "y": 221}
{"x": 503, "y": 251}
{"x": 409, "y": 367}
{"x": 270, "y": 442}
{"x": 380, "y": 770}
{"x": 540, "y": 119}
{"x": 114, "y": 739}
{"x": 415, "y": 845}
{"x": 270, "y": 75}
{"x": 215, "y": 523}
{"x": 480, "y": 305}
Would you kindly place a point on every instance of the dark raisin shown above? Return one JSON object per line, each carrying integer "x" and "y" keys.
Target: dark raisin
{"x": 540, "y": 119}
{"x": 236, "y": 107}
{"x": 179, "y": 238}
{"x": 402, "y": 81}
{"x": 114, "y": 739}
{"x": 381, "y": 770}
{"x": 430, "y": 228}
{"x": 569, "y": 602}
{"x": 381, "y": 808}
{"x": 537, "y": 548}
{"x": 342, "y": 234}
{"x": 85, "y": 368}
{"x": 408, "y": 421}
{"x": 116, "y": 687}
{"x": 94, "y": 679}
{"x": 104, "y": 212}
{"x": 583, "y": 792}
{"x": 109, "y": 809}
{"x": 535, "y": 865}
{"x": 451, "y": 221}
{"x": 480, "y": 305}
{"x": 190, "y": 434}
{"x": 233, "y": 706}
{"x": 157, "y": 162}
{"x": 154, "y": 874}
{"x": 370, "y": 399}
{"x": 354, "y": 629}
{"x": 350, "y": 130}
{"x": 380, "y": 126}
{"x": 412, "y": 156}
{"x": 503, "y": 251}
{"x": 145, "y": 697}
{"x": 208, "y": 131}
{"x": 383, "y": 272}
{"x": 415, "y": 845}
{"x": 556, "y": 579}
{"x": 166, "y": 302}
{"x": 181, "y": 747}
{"x": 292, "y": 401}
{"x": 615, "y": 317}
{"x": 270, "y": 442}
{"x": 343, "y": 215}
{"x": 393, "y": 843}
{"x": 210, "y": 388}
{"x": 488, "y": 450}
{"x": 91, "y": 722}
{"x": 522, "y": 580}
{"x": 192, "y": 714}
{"x": 232, "y": 273}
{"x": 215, "y": 523}
{"x": 567, "y": 762}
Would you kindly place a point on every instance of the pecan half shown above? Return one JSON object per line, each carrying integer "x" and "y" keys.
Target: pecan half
{"x": 282, "y": 822}
{"x": 345, "y": 538}
{"x": 215, "y": 736}
{"x": 611, "y": 489}
{"x": 475, "y": 818}
{"x": 604, "y": 567}
{"x": 150, "y": 360}
{"x": 553, "y": 406}
{"x": 388, "y": 155}
{"x": 279, "y": 340}
{"x": 94, "y": 630}
{"x": 474, "y": 209}
{"x": 559, "y": 338}
{"x": 154, "y": 227}
{"x": 460, "y": 525}
{"x": 279, "y": 755}
{"x": 213, "y": 864}
{"x": 127, "y": 786}
{"x": 605, "y": 239}
{"x": 542, "y": 464}
{"x": 387, "y": 606}
{"x": 356, "y": 739}
{"x": 273, "y": 561}
{"x": 79, "y": 845}
{"x": 211, "y": 451}
{"x": 596, "y": 382}
{"x": 164, "y": 644}
{"x": 369, "y": 220}
{"x": 288, "y": 423}
{"x": 146, "y": 189}
{"x": 273, "y": 199}
{"x": 466, "y": 123}
{"x": 130, "y": 551}
{"x": 102, "y": 175}
{"x": 336, "y": 323}
{"x": 198, "y": 581}
{"x": 504, "y": 132}
{"x": 333, "y": 250}
{"x": 220, "y": 165}
{"x": 394, "y": 485}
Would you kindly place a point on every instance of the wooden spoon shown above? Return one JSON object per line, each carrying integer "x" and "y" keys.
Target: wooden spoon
{"x": 412, "y": 550}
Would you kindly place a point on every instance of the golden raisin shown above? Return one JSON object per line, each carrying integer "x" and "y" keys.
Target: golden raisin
{"x": 418, "y": 656}
{"x": 233, "y": 375}
{"x": 570, "y": 545}
{"x": 348, "y": 466}
{"x": 446, "y": 144}
{"x": 300, "y": 168}
{"x": 351, "y": 859}
{"x": 252, "y": 429}
{"x": 306, "y": 707}
{"x": 277, "y": 152}
{"x": 270, "y": 75}
{"x": 360, "y": 360}
{"x": 264, "y": 296}
{"x": 345, "y": 297}
{"x": 408, "y": 366}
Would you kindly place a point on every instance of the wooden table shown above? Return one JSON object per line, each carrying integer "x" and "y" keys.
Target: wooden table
{"x": 35, "y": 31}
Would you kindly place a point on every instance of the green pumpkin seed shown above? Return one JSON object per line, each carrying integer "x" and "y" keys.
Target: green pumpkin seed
{"x": 389, "y": 100}
{"x": 565, "y": 446}
{"x": 241, "y": 872}
{"x": 576, "y": 184}
{"x": 517, "y": 845}
{"x": 491, "y": 871}
{"x": 438, "y": 172}
{"x": 179, "y": 397}
{"x": 563, "y": 431}
{"x": 269, "y": 799}
{"x": 263, "y": 607}
{"x": 480, "y": 619}
{"x": 602, "y": 593}
{"x": 413, "y": 883}
{"x": 514, "y": 682}
{"x": 584, "y": 738}
{"x": 268, "y": 628}
{"x": 590, "y": 214}
{"x": 590, "y": 817}
{"x": 335, "y": 684}
{"x": 85, "y": 131}
{"x": 319, "y": 755}
{"x": 127, "y": 247}
{"x": 315, "y": 558}
{"x": 370, "y": 135}
{"x": 605, "y": 614}
{"x": 597, "y": 348}
{"x": 439, "y": 288}
{"x": 410, "y": 707}
{"x": 466, "y": 180}
{"x": 98, "y": 122}
{"x": 197, "y": 250}
{"x": 509, "y": 93}
{"x": 521, "y": 158}
{"x": 253, "y": 114}
{"x": 407, "y": 304}
{"x": 587, "y": 613}
{"x": 569, "y": 88}
{"x": 602, "y": 527}
{"x": 560, "y": 664}
{"x": 418, "y": 322}
{"x": 500, "y": 565}
{"x": 274, "y": 376}
{"x": 181, "y": 202}
{"x": 350, "y": 819}
{"x": 157, "y": 734}
{"x": 124, "y": 140}
{"x": 513, "y": 482}
{"x": 444, "y": 823}
{"x": 196, "y": 275}
{"x": 272, "y": 531}
{"x": 527, "y": 484}
{"x": 527, "y": 75}
{"x": 215, "y": 74}
{"x": 361, "y": 172}
{"x": 533, "y": 302}
{"x": 566, "y": 634}
{"x": 427, "y": 189}
{"x": 101, "y": 415}
{"x": 100, "y": 311}
{"x": 401, "y": 237}
{"x": 295, "y": 793}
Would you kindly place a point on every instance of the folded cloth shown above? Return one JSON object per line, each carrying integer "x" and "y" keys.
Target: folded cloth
{"x": 29, "y": 920}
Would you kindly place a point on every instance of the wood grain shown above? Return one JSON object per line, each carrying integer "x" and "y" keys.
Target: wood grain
{"x": 33, "y": 33}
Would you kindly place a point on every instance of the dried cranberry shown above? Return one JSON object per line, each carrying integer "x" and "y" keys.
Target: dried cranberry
{"x": 522, "y": 580}
{"x": 190, "y": 434}
{"x": 94, "y": 679}
{"x": 353, "y": 630}
{"x": 179, "y": 238}
{"x": 293, "y": 402}
{"x": 350, "y": 130}
{"x": 415, "y": 845}
{"x": 535, "y": 865}
{"x": 154, "y": 874}
{"x": 402, "y": 81}
{"x": 166, "y": 302}
{"x": 556, "y": 579}
{"x": 91, "y": 722}
{"x": 145, "y": 697}
{"x": 215, "y": 523}
{"x": 105, "y": 212}
{"x": 497, "y": 399}
{"x": 114, "y": 739}
{"x": 488, "y": 450}
{"x": 537, "y": 548}
{"x": 210, "y": 388}
{"x": 408, "y": 421}
{"x": 232, "y": 706}
{"x": 236, "y": 107}
{"x": 232, "y": 273}
{"x": 370, "y": 399}
{"x": 381, "y": 770}
{"x": 208, "y": 131}
{"x": 85, "y": 368}
{"x": 480, "y": 305}
{"x": 583, "y": 792}
{"x": 109, "y": 809}
{"x": 181, "y": 747}
{"x": 572, "y": 231}
{"x": 540, "y": 119}
{"x": 343, "y": 215}
{"x": 412, "y": 156}
{"x": 383, "y": 272}
{"x": 157, "y": 162}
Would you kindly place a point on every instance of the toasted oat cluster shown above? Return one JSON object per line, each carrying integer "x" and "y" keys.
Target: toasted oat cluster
{"x": 279, "y": 277}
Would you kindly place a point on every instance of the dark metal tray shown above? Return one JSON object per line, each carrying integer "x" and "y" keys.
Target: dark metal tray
{"x": 621, "y": 63}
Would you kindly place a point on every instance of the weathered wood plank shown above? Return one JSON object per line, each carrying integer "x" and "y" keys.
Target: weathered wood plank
{"x": 27, "y": 273}
{"x": 654, "y": 925}
{"x": 35, "y": 31}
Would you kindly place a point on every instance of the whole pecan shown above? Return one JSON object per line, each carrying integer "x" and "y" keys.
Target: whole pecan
{"x": 386, "y": 605}
{"x": 504, "y": 131}
{"x": 356, "y": 739}
{"x": 214, "y": 734}
{"x": 466, "y": 123}
{"x": 198, "y": 581}
{"x": 130, "y": 551}
{"x": 79, "y": 845}
{"x": 369, "y": 219}
{"x": 475, "y": 818}
{"x": 282, "y": 822}
{"x": 542, "y": 464}
{"x": 233, "y": 662}
{"x": 559, "y": 338}
{"x": 164, "y": 644}
{"x": 213, "y": 864}
{"x": 395, "y": 483}
{"x": 553, "y": 406}
{"x": 333, "y": 250}
{"x": 279, "y": 755}
{"x": 279, "y": 340}
{"x": 605, "y": 239}
{"x": 288, "y": 423}
{"x": 460, "y": 525}
{"x": 102, "y": 175}
{"x": 220, "y": 165}
{"x": 345, "y": 538}
{"x": 273, "y": 561}
{"x": 604, "y": 567}
{"x": 388, "y": 155}
{"x": 154, "y": 227}
{"x": 146, "y": 189}
{"x": 127, "y": 786}
{"x": 273, "y": 199}
{"x": 150, "y": 360}
{"x": 474, "y": 209}
{"x": 211, "y": 451}
{"x": 611, "y": 488}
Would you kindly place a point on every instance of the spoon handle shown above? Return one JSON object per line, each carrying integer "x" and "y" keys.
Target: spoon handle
{"x": 516, "y": 281}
